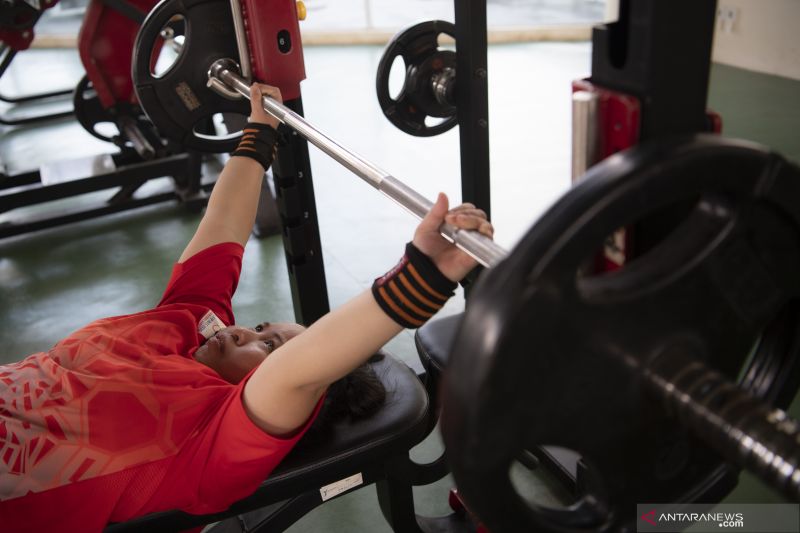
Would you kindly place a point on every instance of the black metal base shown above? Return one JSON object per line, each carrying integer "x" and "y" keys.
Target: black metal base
{"x": 26, "y": 189}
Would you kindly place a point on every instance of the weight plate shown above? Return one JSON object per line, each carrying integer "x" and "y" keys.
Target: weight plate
{"x": 550, "y": 355}
{"x": 424, "y": 59}
{"x": 177, "y": 100}
{"x": 89, "y": 111}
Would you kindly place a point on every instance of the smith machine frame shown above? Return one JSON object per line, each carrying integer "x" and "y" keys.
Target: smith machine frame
{"x": 294, "y": 185}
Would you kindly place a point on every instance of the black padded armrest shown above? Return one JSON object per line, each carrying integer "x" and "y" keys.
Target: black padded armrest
{"x": 434, "y": 340}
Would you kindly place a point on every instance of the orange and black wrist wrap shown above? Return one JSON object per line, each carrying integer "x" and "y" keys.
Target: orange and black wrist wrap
{"x": 259, "y": 142}
{"x": 414, "y": 290}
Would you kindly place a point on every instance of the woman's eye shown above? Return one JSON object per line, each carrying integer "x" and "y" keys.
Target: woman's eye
{"x": 259, "y": 328}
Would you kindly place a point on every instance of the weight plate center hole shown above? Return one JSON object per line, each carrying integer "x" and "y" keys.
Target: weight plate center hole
{"x": 445, "y": 42}
{"x": 169, "y": 47}
{"x": 397, "y": 78}
{"x": 220, "y": 126}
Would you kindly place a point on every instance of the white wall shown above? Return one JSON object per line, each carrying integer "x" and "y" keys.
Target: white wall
{"x": 760, "y": 35}
{"x": 612, "y": 10}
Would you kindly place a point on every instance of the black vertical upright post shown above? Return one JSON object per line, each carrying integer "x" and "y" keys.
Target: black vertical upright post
{"x": 472, "y": 99}
{"x": 294, "y": 191}
{"x": 660, "y": 52}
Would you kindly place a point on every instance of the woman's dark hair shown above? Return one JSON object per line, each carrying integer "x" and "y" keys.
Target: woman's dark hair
{"x": 356, "y": 396}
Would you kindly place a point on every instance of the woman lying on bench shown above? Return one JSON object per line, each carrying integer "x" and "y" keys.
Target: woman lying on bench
{"x": 176, "y": 407}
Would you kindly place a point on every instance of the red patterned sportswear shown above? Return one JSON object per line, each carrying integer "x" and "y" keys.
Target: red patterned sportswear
{"x": 117, "y": 420}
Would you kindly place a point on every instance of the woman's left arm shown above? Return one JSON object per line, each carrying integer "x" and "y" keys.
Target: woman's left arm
{"x": 231, "y": 210}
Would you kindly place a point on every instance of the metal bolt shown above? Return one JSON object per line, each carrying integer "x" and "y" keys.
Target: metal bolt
{"x": 483, "y": 123}
{"x": 481, "y": 73}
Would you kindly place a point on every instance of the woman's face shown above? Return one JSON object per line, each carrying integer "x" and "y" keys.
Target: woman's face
{"x": 236, "y": 350}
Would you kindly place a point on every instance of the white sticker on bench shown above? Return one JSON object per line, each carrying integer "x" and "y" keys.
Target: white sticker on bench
{"x": 343, "y": 485}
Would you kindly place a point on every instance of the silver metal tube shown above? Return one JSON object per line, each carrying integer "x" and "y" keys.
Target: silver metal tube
{"x": 442, "y": 85}
{"x": 140, "y": 143}
{"x": 585, "y": 139}
{"x": 483, "y": 249}
{"x": 241, "y": 40}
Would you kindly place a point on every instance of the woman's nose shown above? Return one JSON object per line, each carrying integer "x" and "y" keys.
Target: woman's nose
{"x": 239, "y": 335}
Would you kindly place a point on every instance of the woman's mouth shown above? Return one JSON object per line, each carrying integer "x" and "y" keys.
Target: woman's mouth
{"x": 216, "y": 341}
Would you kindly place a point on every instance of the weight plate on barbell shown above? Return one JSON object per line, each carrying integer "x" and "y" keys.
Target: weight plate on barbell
{"x": 428, "y": 90}
{"x": 549, "y": 354}
{"x": 175, "y": 96}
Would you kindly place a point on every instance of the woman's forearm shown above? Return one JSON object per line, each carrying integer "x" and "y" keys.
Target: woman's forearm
{"x": 231, "y": 210}
{"x": 335, "y": 344}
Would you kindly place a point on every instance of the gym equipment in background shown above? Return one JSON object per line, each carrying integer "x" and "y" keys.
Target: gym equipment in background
{"x": 105, "y": 94}
{"x": 180, "y": 98}
{"x": 104, "y": 103}
{"x": 177, "y": 100}
{"x": 171, "y": 98}
{"x": 429, "y": 81}
{"x": 638, "y": 90}
{"x": 179, "y": 103}
{"x": 17, "y": 21}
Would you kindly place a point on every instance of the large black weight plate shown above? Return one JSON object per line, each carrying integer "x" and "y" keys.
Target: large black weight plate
{"x": 178, "y": 102}
{"x": 547, "y": 355}
{"x": 419, "y": 48}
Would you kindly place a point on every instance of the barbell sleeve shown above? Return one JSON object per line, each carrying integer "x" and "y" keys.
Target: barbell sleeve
{"x": 745, "y": 429}
{"x": 480, "y": 247}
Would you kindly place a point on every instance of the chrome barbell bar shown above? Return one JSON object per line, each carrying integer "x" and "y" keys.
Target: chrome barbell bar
{"x": 483, "y": 249}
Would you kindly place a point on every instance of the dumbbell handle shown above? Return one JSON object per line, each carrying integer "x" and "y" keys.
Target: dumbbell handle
{"x": 480, "y": 247}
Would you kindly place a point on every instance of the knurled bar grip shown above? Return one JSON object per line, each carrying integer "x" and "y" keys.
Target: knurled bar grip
{"x": 480, "y": 247}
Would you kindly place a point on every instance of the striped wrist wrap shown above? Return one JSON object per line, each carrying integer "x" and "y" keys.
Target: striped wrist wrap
{"x": 414, "y": 290}
{"x": 259, "y": 142}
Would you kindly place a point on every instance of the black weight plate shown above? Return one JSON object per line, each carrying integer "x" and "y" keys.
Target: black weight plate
{"x": 547, "y": 355}
{"x": 89, "y": 111}
{"x": 179, "y": 102}
{"x": 419, "y": 48}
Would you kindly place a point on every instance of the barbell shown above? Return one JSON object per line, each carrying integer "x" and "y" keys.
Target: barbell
{"x": 483, "y": 249}
{"x": 179, "y": 103}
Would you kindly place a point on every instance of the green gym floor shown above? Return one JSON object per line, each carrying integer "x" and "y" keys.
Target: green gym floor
{"x": 55, "y": 281}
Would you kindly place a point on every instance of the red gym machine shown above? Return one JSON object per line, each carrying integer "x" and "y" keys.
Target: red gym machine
{"x": 103, "y": 102}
